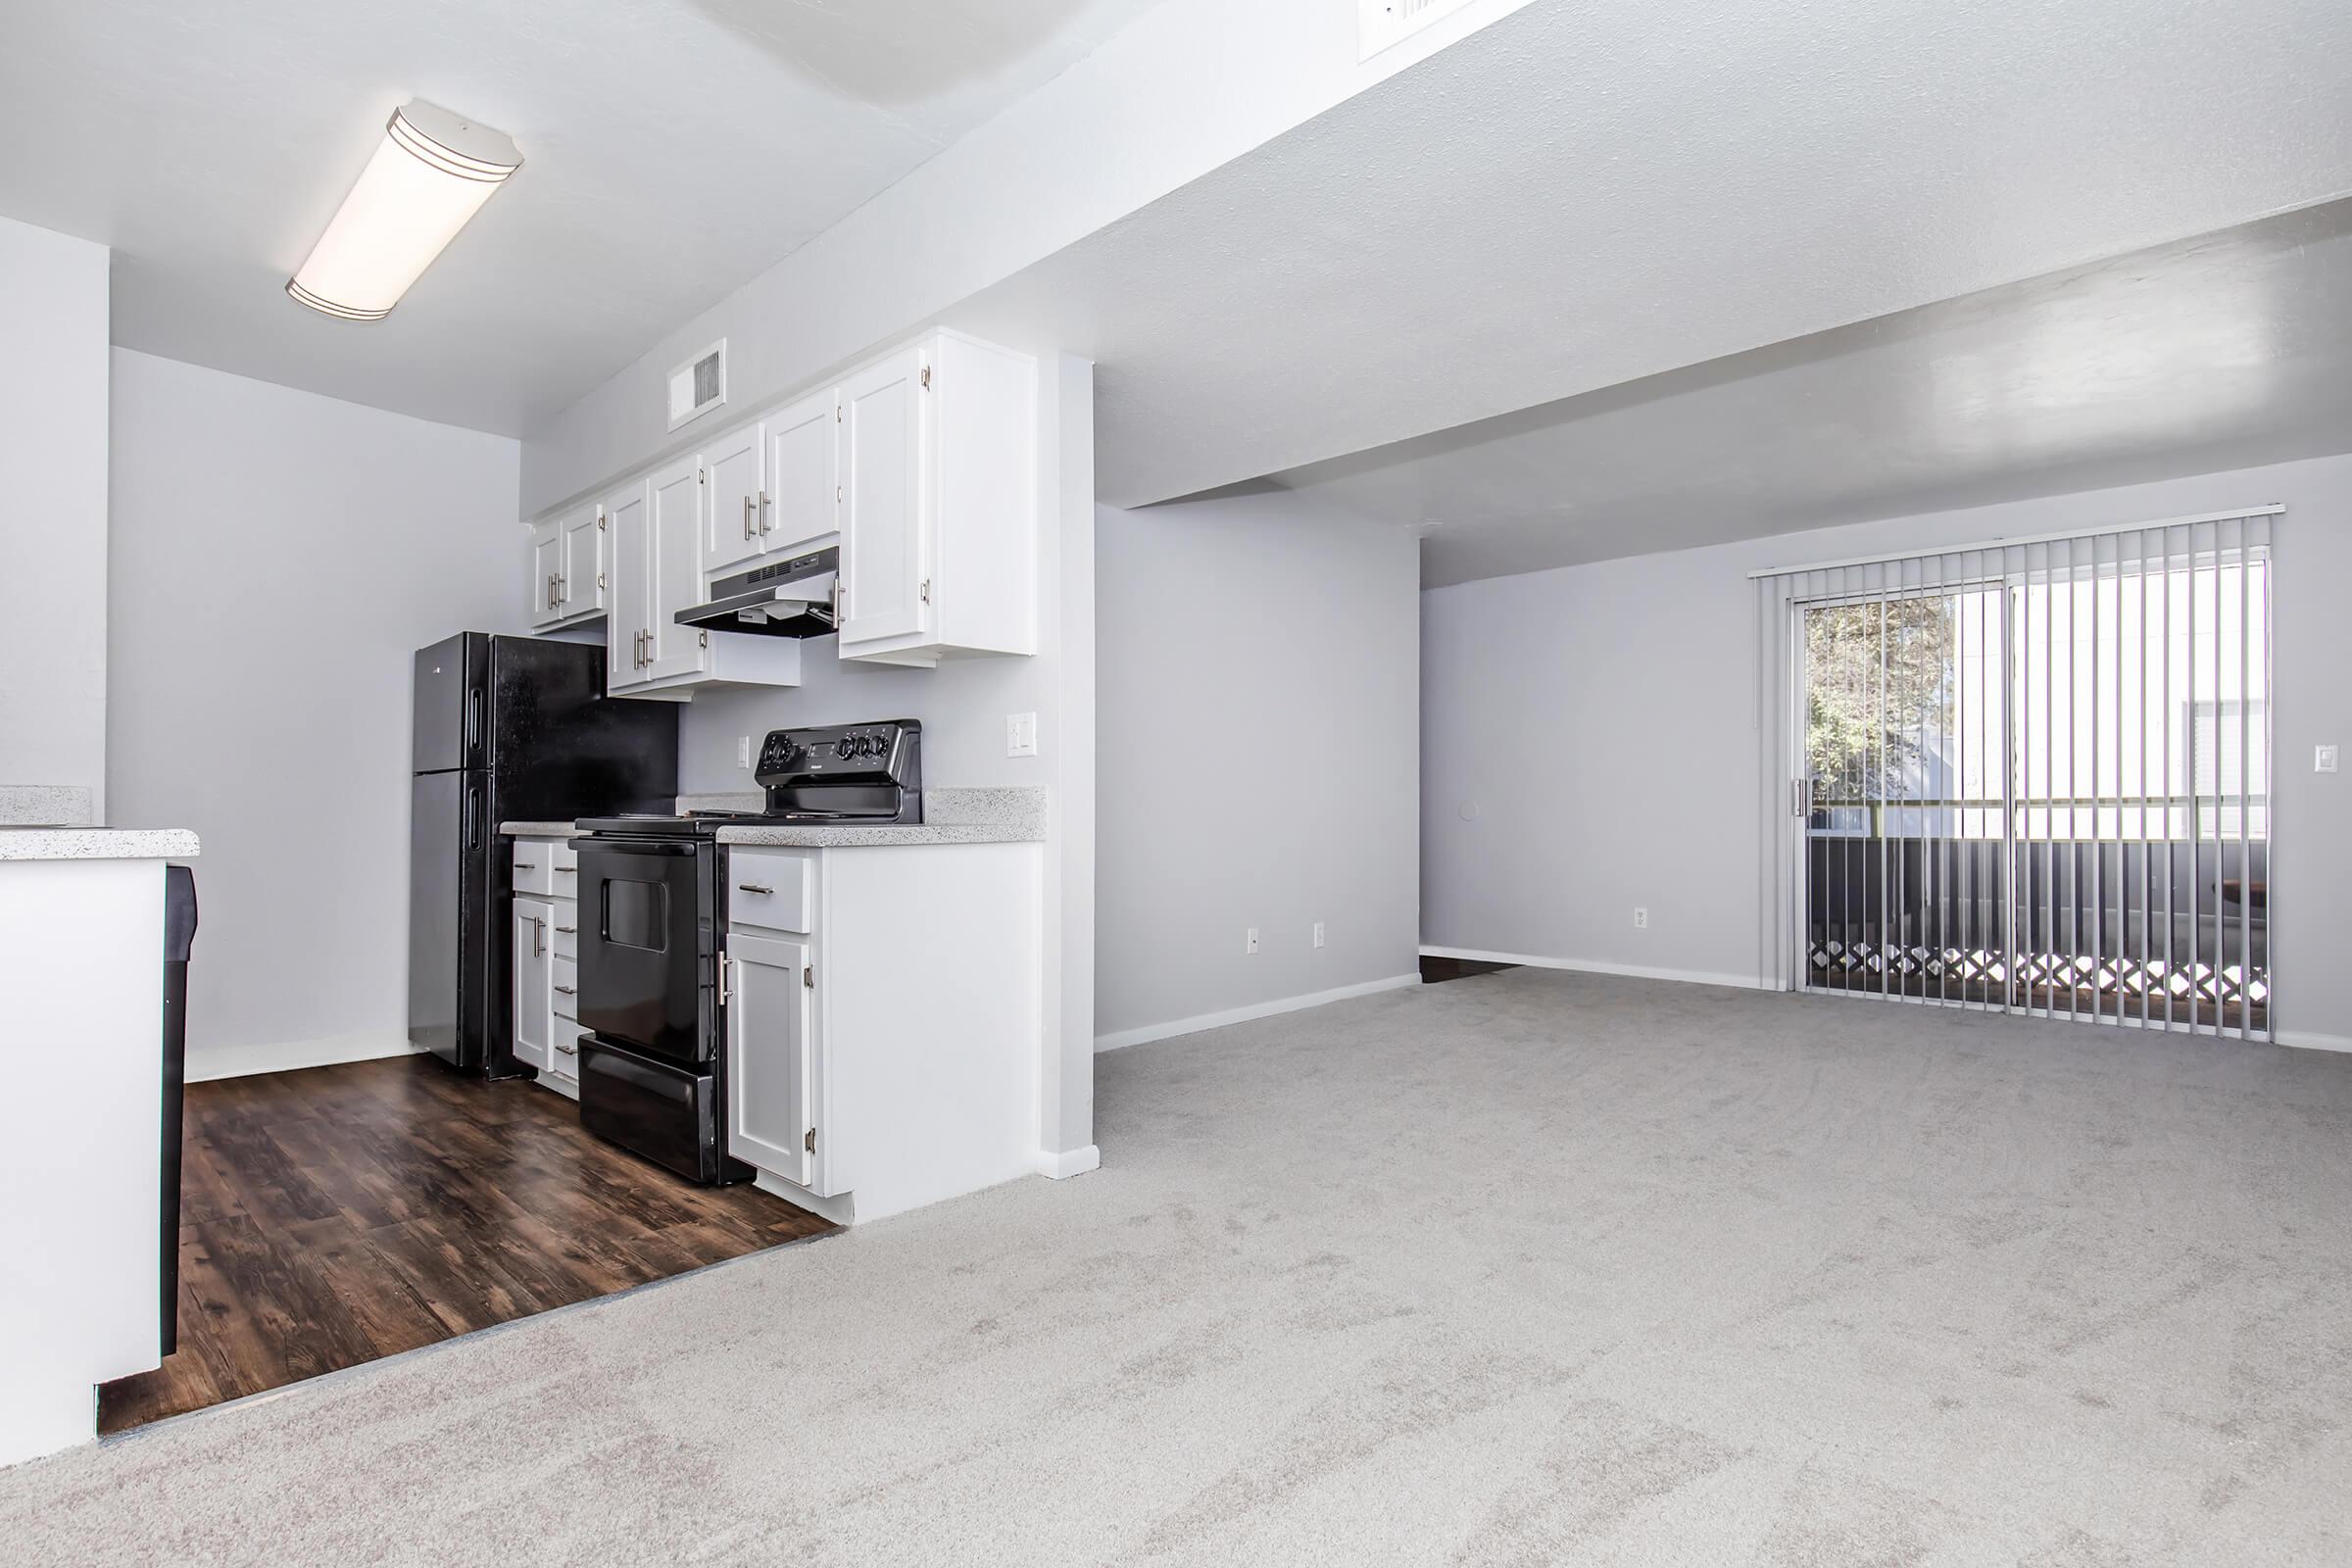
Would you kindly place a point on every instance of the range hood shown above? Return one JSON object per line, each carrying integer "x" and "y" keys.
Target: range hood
{"x": 795, "y": 597}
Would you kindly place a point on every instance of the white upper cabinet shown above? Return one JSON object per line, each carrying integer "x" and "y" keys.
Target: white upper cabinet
{"x": 673, "y": 569}
{"x": 884, "y": 591}
{"x": 628, "y": 612}
{"x": 939, "y": 503}
{"x": 735, "y": 470}
{"x": 922, "y": 464}
{"x": 656, "y": 532}
{"x": 583, "y": 570}
{"x": 547, "y": 574}
{"x": 568, "y": 570}
{"x": 804, "y": 483}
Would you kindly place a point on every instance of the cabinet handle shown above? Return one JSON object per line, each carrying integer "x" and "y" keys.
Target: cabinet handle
{"x": 747, "y": 518}
{"x": 538, "y": 938}
{"x": 754, "y": 887}
{"x": 570, "y": 1051}
{"x": 567, "y": 991}
{"x": 927, "y": 590}
{"x": 526, "y": 865}
{"x": 722, "y": 979}
{"x": 565, "y": 930}
{"x": 766, "y": 512}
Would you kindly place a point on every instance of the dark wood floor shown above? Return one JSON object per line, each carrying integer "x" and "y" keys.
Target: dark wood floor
{"x": 339, "y": 1214}
{"x": 1434, "y": 970}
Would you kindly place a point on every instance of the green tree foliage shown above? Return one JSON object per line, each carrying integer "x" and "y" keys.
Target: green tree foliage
{"x": 1866, "y": 715}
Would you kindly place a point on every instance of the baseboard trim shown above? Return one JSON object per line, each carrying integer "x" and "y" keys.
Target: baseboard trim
{"x": 1636, "y": 972}
{"x": 840, "y": 1210}
{"x": 1257, "y": 1009}
{"x": 289, "y": 1056}
{"x": 2304, "y": 1039}
{"x": 1061, "y": 1164}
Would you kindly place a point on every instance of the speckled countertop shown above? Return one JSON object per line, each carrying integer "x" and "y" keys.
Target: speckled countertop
{"x": 1010, "y": 815}
{"x": 96, "y": 844}
{"x": 44, "y": 806}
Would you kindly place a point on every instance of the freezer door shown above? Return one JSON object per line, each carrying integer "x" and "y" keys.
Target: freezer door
{"x": 451, "y": 726}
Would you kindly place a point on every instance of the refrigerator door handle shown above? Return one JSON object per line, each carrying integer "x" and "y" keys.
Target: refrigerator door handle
{"x": 474, "y": 724}
{"x": 474, "y": 826}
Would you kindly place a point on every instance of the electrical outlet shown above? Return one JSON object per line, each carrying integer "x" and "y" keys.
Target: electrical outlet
{"x": 1640, "y": 917}
{"x": 743, "y": 751}
{"x": 1250, "y": 939}
{"x": 1318, "y": 933}
{"x": 2323, "y": 760}
{"x": 1020, "y": 735}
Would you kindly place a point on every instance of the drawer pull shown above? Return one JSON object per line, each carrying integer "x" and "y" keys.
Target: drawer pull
{"x": 570, "y": 1051}
{"x": 567, "y": 991}
{"x": 526, "y": 865}
{"x": 754, "y": 887}
{"x": 565, "y": 930}
{"x": 568, "y": 871}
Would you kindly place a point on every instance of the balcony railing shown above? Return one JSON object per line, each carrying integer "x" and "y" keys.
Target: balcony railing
{"x": 2149, "y": 929}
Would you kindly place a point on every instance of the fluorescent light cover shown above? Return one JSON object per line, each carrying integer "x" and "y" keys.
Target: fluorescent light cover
{"x": 432, "y": 172}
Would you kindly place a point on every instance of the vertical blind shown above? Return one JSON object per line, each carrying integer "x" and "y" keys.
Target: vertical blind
{"x": 2029, "y": 776}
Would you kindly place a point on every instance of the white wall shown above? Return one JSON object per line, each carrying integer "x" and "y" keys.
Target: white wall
{"x": 53, "y": 368}
{"x": 1589, "y": 739}
{"x": 277, "y": 558}
{"x": 1259, "y": 659}
{"x": 963, "y": 705}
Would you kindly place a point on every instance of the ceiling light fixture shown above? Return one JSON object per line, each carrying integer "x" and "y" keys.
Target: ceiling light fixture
{"x": 432, "y": 172}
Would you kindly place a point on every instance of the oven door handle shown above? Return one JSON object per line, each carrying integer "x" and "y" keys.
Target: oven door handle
{"x": 618, "y": 846}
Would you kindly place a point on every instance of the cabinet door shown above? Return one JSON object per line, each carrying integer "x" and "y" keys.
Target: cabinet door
{"x": 547, "y": 574}
{"x": 625, "y": 598}
{"x": 534, "y": 979}
{"x": 733, "y": 468}
{"x": 584, "y": 562}
{"x": 803, "y": 475}
{"x": 673, "y": 570}
{"x": 771, "y": 1113}
{"x": 884, "y": 573}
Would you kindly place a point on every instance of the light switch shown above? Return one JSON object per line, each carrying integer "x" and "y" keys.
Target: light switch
{"x": 2323, "y": 760}
{"x": 1020, "y": 735}
{"x": 743, "y": 751}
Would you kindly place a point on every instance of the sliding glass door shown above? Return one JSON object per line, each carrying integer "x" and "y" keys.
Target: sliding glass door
{"x": 2035, "y": 777}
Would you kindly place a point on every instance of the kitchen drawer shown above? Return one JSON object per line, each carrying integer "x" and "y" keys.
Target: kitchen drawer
{"x": 566, "y": 989}
{"x": 564, "y": 864}
{"x": 564, "y": 1055}
{"x": 534, "y": 867}
{"x": 771, "y": 888}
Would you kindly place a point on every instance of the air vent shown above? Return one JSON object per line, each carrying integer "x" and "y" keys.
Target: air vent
{"x": 699, "y": 385}
{"x": 1381, "y": 22}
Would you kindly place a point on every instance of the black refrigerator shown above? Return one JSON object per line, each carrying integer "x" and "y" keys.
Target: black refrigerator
{"x": 507, "y": 729}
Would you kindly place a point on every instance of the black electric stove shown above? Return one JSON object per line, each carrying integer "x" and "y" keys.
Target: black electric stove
{"x": 653, "y": 905}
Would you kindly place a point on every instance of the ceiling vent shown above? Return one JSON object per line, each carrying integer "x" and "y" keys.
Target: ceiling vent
{"x": 1381, "y": 22}
{"x": 699, "y": 385}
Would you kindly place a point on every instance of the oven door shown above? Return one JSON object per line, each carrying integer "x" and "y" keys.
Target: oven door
{"x": 646, "y": 920}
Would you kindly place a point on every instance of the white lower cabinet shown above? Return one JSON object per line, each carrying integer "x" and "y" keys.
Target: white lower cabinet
{"x": 546, "y": 934}
{"x": 771, "y": 1106}
{"x": 534, "y": 972}
{"x": 883, "y": 1023}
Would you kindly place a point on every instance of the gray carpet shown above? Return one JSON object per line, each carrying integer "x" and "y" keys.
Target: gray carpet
{"x": 1529, "y": 1268}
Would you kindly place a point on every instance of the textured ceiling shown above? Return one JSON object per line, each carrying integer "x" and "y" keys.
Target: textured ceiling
{"x": 1590, "y": 191}
{"x": 672, "y": 149}
{"x": 2225, "y": 351}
